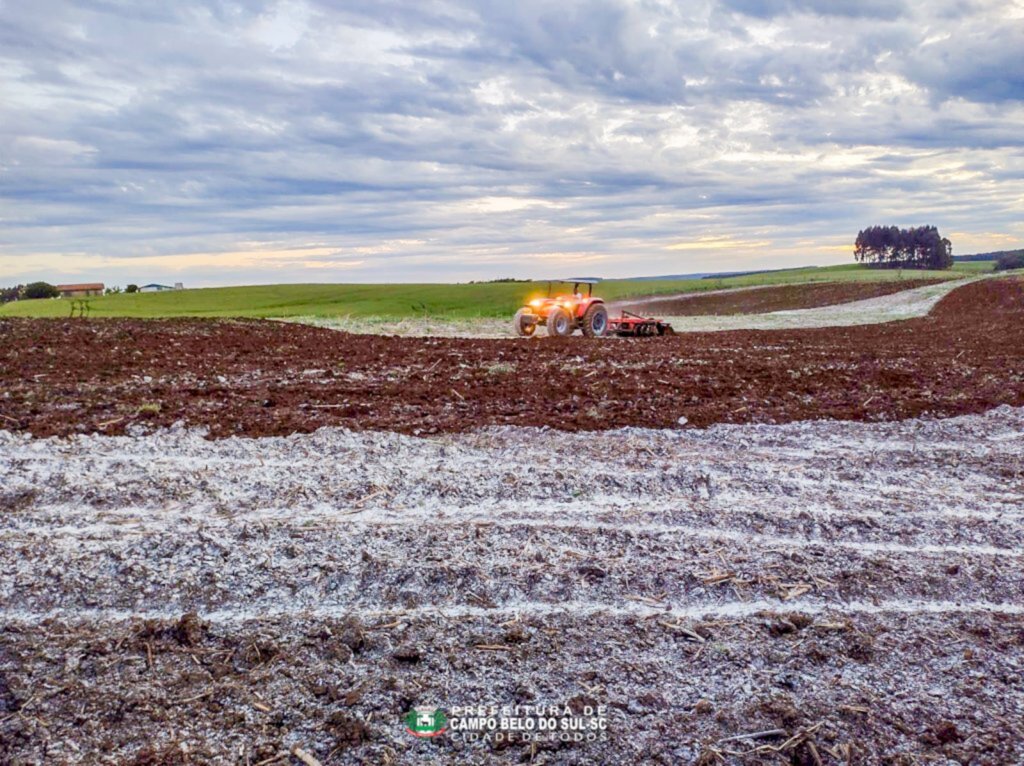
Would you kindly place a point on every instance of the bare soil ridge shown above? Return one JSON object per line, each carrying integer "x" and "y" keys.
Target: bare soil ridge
{"x": 769, "y": 298}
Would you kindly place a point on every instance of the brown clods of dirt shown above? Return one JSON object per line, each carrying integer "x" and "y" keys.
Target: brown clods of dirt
{"x": 166, "y": 756}
{"x": 16, "y": 501}
{"x": 761, "y": 300}
{"x": 352, "y": 635}
{"x": 189, "y": 630}
{"x": 407, "y": 653}
{"x": 860, "y": 647}
{"x": 945, "y": 732}
{"x": 257, "y": 378}
{"x": 348, "y": 731}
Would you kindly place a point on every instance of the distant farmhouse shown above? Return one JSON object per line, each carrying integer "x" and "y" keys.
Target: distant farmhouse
{"x": 80, "y": 291}
{"x": 155, "y": 288}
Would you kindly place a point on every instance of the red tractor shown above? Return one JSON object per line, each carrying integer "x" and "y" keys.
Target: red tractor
{"x": 564, "y": 313}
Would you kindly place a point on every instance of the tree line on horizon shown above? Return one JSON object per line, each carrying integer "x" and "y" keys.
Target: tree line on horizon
{"x": 1010, "y": 259}
{"x": 31, "y": 291}
{"x": 39, "y": 290}
{"x": 890, "y": 247}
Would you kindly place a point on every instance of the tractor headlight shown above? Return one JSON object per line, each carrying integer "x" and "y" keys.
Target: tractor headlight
{"x": 536, "y": 303}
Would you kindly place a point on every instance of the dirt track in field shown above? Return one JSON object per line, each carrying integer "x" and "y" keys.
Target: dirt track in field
{"x": 855, "y": 589}
{"x": 762, "y": 300}
{"x": 266, "y": 378}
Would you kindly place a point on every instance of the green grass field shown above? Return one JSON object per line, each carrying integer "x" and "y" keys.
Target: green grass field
{"x": 455, "y": 301}
{"x": 974, "y": 267}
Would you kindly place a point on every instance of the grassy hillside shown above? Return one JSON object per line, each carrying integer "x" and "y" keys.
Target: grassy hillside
{"x": 974, "y": 267}
{"x": 407, "y": 300}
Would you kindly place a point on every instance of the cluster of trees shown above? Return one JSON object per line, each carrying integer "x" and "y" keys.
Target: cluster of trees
{"x": 8, "y": 294}
{"x": 28, "y": 292}
{"x": 890, "y": 247}
{"x": 1011, "y": 259}
{"x": 35, "y": 290}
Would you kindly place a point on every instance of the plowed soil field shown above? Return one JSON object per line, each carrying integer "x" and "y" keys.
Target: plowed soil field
{"x": 854, "y": 590}
{"x": 761, "y": 300}
{"x": 267, "y": 378}
{"x": 805, "y": 591}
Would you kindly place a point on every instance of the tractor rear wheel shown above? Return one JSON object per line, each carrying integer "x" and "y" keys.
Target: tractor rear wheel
{"x": 595, "y": 321}
{"x": 523, "y": 328}
{"x": 559, "y": 323}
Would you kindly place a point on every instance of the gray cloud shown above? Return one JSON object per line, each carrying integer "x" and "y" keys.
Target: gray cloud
{"x": 881, "y": 9}
{"x": 981, "y": 62}
{"x": 411, "y": 140}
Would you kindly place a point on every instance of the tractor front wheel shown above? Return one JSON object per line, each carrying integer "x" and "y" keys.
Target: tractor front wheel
{"x": 524, "y": 328}
{"x": 595, "y": 321}
{"x": 559, "y": 323}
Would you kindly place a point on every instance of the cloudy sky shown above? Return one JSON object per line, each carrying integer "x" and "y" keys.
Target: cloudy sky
{"x": 423, "y": 140}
